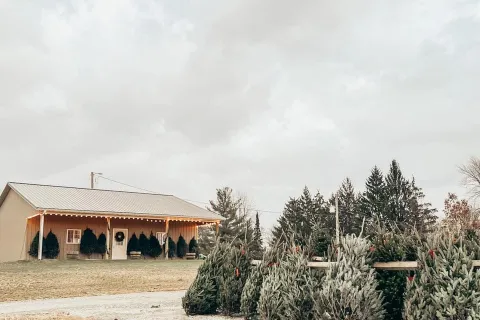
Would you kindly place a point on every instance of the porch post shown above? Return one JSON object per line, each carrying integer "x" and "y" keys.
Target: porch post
{"x": 166, "y": 243}
{"x": 196, "y": 232}
{"x": 108, "y": 239}
{"x": 40, "y": 235}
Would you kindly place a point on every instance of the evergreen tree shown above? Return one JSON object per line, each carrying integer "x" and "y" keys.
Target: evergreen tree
{"x": 372, "y": 203}
{"x": 172, "y": 249}
{"x": 349, "y": 290}
{"x": 256, "y": 247}
{"x": 154, "y": 248}
{"x": 102, "y": 244}
{"x": 349, "y": 218}
{"x": 52, "y": 248}
{"x": 206, "y": 239}
{"x": 398, "y": 193}
{"x": 446, "y": 286}
{"x": 193, "y": 246}
{"x": 133, "y": 244}
{"x": 203, "y": 295}
{"x": 34, "y": 246}
{"x": 88, "y": 242}
{"x": 253, "y": 285}
{"x": 299, "y": 216}
{"x": 285, "y": 292}
{"x": 181, "y": 247}
{"x": 235, "y": 272}
{"x": 144, "y": 244}
{"x": 420, "y": 214}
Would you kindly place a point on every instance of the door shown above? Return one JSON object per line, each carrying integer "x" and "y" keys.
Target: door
{"x": 119, "y": 244}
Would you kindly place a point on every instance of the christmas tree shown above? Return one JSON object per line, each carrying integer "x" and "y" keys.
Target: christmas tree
{"x": 446, "y": 286}
{"x": 235, "y": 273}
{"x": 88, "y": 242}
{"x": 203, "y": 295}
{"x": 144, "y": 244}
{"x": 52, "y": 247}
{"x": 349, "y": 290}
{"x": 253, "y": 285}
{"x": 181, "y": 247}
{"x": 285, "y": 292}
{"x": 154, "y": 247}
{"x": 34, "y": 246}
{"x": 133, "y": 244}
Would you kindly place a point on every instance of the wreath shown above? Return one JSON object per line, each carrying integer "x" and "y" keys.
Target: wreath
{"x": 119, "y": 236}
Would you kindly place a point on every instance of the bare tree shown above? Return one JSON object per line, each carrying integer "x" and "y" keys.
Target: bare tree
{"x": 471, "y": 176}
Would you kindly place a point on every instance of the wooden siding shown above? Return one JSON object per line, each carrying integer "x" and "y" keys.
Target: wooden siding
{"x": 59, "y": 224}
{"x": 13, "y": 231}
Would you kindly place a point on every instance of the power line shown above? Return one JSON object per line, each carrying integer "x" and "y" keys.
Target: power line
{"x": 195, "y": 201}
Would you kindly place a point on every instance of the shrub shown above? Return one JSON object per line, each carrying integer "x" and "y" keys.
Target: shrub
{"x": 286, "y": 291}
{"x": 234, "y": 275}
{"x": 181, "y": 247}
{"x": 34, "y": 246}
{"x": 349, "y": 290}
{"x": 446, "y": 286}
{"x": 102, "y": 244}
{"x": 52, "y": 248}
{"x": 202, "y": 297}
{"x": 155, "y": 250}
{"x": 133, "y": 244}
{"x": 88, "y": 242}
{"x": 144, "y": 244}
{"x": 193, "y": 246}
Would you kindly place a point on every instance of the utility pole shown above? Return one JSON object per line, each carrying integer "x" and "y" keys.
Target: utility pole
{"x": 92, "y": 179}
{"x": 337, "y": 220}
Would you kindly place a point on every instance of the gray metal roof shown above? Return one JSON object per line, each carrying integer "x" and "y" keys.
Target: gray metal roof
{"x": 45, "y": 197}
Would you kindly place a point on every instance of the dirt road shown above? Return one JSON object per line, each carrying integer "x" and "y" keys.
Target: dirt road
{"x": 133, "y": 306}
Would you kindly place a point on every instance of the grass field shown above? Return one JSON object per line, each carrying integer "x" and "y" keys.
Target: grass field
{"x": 74, "y": 278}
{"x": 46, "y": 316}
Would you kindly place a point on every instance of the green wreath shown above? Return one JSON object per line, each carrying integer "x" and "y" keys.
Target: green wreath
{"x": 119, "y": 236}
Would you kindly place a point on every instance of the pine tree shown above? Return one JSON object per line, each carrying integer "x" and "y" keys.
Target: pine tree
{"x": 235, "y": 272}
{"x": 193, "y": 246}
{"x": 181, "y": 247}
{"x": 34, "y": 246}
{"x": 102, "y": 244}
{"x": 144, "y": 244}
{"x": 206, "y": 239}
{"x": 133, "y": 244}
{"x": 52, "y": 248}
{"x": 285, "y": 292}
{"x": 447, "y": 286}
{"x": 154, "y": 248}
{"x": 349, "y": 290}
{"x": 253, "y": 285}
{"x": 372, "y": 203}
{"x": 256, "y": 247}
{"x": 398, "y": 193}
{"x": 420, "y": 213}
{"x": 172, "y": 248}
{"x": 299, "y": 217}
{"x": 88, "y": 242}
{"x": 203, "y": 295}
{"x": 347, "y": 207}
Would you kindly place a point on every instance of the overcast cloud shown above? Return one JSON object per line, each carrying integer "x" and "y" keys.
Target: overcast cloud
{"x": 182, "y": 97}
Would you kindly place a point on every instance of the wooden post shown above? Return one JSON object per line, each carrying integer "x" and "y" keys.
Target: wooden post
{"x": 196, "y": 233}
{"x": 40, "y": 235}
{"x": 108, "y": 239}
{"x": 166, "y": 240}
{"x": 216, "y": 229}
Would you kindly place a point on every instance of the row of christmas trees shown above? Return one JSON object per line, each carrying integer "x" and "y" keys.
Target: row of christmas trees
{"x": 151, "y": 246}
{"x": 445, "y": 286}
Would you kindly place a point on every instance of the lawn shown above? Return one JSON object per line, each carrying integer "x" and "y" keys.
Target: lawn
{"x": 74, "y": 278}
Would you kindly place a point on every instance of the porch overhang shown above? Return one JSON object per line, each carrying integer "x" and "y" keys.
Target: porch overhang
{"x": 123, "y": 216}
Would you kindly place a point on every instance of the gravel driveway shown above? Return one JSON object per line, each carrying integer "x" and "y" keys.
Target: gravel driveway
{"x": 133, "y": 306}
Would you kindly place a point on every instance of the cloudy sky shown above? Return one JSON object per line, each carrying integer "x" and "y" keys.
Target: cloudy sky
{"x": 184, "y": 96}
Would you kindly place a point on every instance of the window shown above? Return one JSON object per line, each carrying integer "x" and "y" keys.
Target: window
{"x": 73, "y": 236}
{"x": 161, "y": 236}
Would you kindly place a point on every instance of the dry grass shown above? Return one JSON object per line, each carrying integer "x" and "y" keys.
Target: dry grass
{"x": 60, "y": 279}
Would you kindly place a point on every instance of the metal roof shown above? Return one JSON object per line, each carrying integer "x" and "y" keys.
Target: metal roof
{"x": 71, "y": 199}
